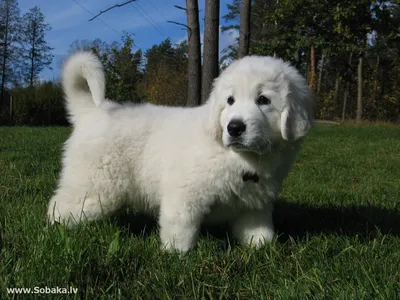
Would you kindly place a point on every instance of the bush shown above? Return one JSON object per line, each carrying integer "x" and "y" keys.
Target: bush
{"x": 40, "y": 105}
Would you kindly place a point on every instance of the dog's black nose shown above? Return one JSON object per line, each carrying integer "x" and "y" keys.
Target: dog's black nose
{"x": 236, "y": 128}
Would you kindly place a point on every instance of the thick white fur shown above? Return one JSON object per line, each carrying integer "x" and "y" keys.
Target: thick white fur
{"x": 181, "y": 164}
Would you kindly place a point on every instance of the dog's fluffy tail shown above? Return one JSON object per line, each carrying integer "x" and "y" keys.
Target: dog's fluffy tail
{"x": 83, "y": 83}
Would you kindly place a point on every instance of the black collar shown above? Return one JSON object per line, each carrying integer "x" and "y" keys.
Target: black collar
{"x": 251, "y": 176}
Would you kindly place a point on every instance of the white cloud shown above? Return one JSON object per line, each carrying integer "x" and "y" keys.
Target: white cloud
{"x": 62, "y": 18}
{"x": 226, "y": 39}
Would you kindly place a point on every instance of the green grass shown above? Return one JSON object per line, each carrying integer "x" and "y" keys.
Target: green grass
{"x": 338, "y": 221}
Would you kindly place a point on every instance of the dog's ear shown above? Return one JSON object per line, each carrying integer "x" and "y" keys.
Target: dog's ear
{"x": 296, "y": 116}
{"x": 214, "y": 108}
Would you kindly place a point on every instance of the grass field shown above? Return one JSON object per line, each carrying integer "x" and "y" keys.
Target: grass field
{"x": 338, "y": 221}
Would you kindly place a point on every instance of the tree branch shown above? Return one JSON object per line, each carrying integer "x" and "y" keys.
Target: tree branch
{"x": 180, "y": 7}
{"x": 106, "y": 10}
{"x": 177, "y": 23}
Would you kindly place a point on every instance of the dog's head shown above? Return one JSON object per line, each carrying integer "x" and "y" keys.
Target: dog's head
{"x": 258, "y": 101}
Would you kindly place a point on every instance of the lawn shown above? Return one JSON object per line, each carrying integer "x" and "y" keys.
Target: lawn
{"x": 338, "y": 223}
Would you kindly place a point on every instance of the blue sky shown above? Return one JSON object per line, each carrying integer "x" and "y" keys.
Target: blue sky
{"x": 147, "y": 19}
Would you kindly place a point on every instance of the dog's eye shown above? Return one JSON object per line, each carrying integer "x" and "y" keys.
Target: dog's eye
{"x": 262, "y": 100}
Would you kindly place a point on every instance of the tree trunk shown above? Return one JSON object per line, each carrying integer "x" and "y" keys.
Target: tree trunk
{"x": 375, "y": 98}
{"x": 244, "y": 36}
{"x": 296, "y": 56}
{"x": 210, "y": 46}
{"x": 332, "y": 110}
{"x": 194, "y": 53}
{"x": 311, "y": 83}
{"x": 321, "y": 70}
{"x": 307, "y": 59}
{"x": 346, "y": 89}
{"x": 336, "y": 92}
{"x": 359, "y": 111}
{"x": 346, "y": 95}
{"x": 276, "y": 25}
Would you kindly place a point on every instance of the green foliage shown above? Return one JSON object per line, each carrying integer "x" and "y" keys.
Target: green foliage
{"x": 123, "y": 71}
{"x": 337, "y": 220}
{"x": 339, "y": 29}
{"x": 122, "y": 66}
{"x": 328, "y": 106}
{"x": 162, "y": 80}
{"x": 98, "y": 46}
{"x": 41, "y": 104}
{"x": 233, "y": 16}
{"x": 165, "y": 79}
{"x": 229, "y": 54}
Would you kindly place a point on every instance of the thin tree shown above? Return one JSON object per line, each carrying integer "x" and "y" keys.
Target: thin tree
{"x": 347, "y": 86}
{"x": 36, "y": 53}
{"x": 210, "y": 46}
{"x": 9, "y": 21}
{"x": 194, "y": 53}
{"x": 311, "y": 83}
{"x": 359, "y": 111}
{"x": 244, "y": 35}
{"x": 321, "y": 71}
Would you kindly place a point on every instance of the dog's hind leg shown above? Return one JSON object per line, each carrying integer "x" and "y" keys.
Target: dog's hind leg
{"x": 71, "y": 207}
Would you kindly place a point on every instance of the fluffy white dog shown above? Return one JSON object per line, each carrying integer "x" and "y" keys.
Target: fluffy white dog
{"x": 221, "y": 162}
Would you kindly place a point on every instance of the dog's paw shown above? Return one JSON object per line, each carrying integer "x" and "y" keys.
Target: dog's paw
{"x": 257, "y": 238}
{"x": 177, "y": 244}
{"x": 254, "y": 228}
{"x": 178, "y": 238}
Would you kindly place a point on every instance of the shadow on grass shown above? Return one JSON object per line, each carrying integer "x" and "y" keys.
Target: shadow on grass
{"x": 143, "y": 225}
{"x": 295, "y": 220}
{"x": 299, "y": 220}
{"x": 136, "y": 224}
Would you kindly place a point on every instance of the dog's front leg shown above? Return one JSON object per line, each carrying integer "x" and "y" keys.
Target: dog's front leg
{"x": 179, "y": 223}
{"x": 254, "y": 227}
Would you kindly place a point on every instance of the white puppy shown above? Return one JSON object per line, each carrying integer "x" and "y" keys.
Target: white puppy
{"x": 221, "y": 162}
